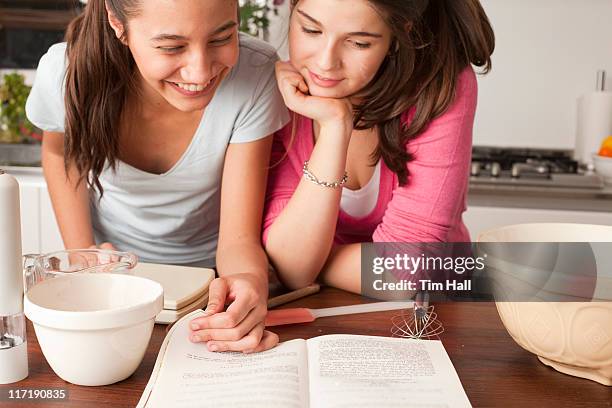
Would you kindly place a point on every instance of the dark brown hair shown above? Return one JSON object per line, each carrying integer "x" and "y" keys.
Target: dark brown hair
{"x": 99, "y": 78}
{"x": 433, "y": 41}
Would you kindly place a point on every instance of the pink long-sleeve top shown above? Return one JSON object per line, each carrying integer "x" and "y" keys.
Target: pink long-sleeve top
{"x": 427, "y": 209}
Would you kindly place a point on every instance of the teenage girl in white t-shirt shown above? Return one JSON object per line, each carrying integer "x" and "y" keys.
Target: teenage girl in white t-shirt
{"x": 157, "y": 119}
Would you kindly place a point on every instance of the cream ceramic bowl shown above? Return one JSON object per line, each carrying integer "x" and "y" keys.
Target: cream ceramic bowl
{"x": 94, "y": 328}
{"x": 574, "y": 338}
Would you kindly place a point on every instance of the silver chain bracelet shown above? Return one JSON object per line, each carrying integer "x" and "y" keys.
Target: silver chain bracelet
{"x": 313, "y": 179}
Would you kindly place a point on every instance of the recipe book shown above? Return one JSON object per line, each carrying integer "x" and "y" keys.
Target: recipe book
{"x": 325, "y": 371}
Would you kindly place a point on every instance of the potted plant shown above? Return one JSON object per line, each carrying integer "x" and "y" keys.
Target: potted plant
{"x": 19, "y": 140}
{"x": 14, "y": 125}
{"x": 254, "y": 16}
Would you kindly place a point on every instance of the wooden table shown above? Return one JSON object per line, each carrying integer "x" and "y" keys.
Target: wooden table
{"x": 493, "y": 369}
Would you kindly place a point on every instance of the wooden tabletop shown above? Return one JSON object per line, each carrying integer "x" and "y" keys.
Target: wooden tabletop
{"x": 493, "y": 369}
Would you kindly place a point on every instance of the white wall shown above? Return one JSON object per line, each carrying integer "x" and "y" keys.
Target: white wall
{"x": 279, "y": 27}
{"x": 29, "y": 74}
{"x": 547, "y": 55}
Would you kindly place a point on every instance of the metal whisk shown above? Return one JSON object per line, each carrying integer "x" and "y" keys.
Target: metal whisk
{"x": 420, "y": 323}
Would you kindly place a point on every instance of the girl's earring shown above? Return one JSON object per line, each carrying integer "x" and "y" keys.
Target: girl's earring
{"x": 122, "y": 39}
{"x": 394, "y": 49}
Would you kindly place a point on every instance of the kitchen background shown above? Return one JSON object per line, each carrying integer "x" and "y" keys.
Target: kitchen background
{"x": 547, "y": 55}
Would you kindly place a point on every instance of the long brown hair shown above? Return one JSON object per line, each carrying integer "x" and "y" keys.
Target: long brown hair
{"x": 433, "y": 41}
{"x": 99, "y": 78}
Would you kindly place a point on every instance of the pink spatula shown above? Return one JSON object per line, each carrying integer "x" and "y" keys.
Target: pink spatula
{"x": 304, "y": 315}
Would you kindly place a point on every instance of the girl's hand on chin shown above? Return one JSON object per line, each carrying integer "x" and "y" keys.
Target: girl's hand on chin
{"x": 241, "y": 326}
{"x": 325, "y": 111}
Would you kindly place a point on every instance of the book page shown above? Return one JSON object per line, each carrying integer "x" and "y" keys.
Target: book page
{"x": 191, "y": 376}
{"x": 368, "y": 371}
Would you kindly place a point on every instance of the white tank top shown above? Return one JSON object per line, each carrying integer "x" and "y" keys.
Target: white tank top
{"x": 359, "y": 203}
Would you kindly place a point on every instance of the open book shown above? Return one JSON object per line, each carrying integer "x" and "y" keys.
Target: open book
{"x": 325, "y": 371}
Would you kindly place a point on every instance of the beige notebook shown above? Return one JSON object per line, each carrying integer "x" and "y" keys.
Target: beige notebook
{"x": 185, "y": 288}
{"x": 325, "y": 371}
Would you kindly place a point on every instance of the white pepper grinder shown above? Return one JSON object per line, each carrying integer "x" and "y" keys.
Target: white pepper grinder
{"x": 13, "y": 341}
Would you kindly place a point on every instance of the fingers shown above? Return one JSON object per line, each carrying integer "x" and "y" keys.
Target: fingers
{"x": 234, "y": 316}
{"x": 242, "y": 314}
{"x": 286, "y": 72}
{"x": 84, "y": 259}
{"x": 217, "y": 293}
{"x": 257, "y": 340}
{"x": 302, "y": 86}
{"x": 224, "y": 328}
{"x": 248, "y": 342}
{"x": 104, "y": 245}
{"x": 292, "y": 85}
{"x": 241, "y": 327}
{"x": 293, "y": 88}
{"x": 297, "y": 98}
{"x": 107, "y": 245}
{"x": 268, "y": 341}
{"x": 239, "y": 309}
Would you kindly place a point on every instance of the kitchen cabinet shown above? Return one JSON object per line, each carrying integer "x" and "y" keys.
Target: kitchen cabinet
{"x": 482, "y": 218}
{"x": 493, "y": 206}
{"x": 39, "y": 230}
{"x": 50, "y": 237}
{"x": 29, "y": 197}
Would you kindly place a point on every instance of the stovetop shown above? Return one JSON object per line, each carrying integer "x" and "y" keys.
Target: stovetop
{"x": 529, "y": 167}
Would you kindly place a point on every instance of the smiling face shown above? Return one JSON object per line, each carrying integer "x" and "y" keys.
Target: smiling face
{"x": 337, "y": 45}
{"x": 183, "y": 49}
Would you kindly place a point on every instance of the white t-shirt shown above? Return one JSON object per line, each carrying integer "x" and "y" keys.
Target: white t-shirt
{"x": 359, "y": 203}
{"x": 174, "y": 217}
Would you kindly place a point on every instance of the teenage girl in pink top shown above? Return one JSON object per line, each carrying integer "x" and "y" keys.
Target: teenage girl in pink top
{"x": 384, "y": 98}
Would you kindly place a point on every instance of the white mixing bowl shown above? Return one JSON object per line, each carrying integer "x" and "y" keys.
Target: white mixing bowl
{"x": 94, "y": 328}
{"x": 572, "y": 337}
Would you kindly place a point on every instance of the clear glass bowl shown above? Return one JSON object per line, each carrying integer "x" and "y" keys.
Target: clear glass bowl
{"x": 37, "y": 267}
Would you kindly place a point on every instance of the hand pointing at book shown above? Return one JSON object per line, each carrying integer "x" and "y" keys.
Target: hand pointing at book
{"x": 241, "y": 326}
